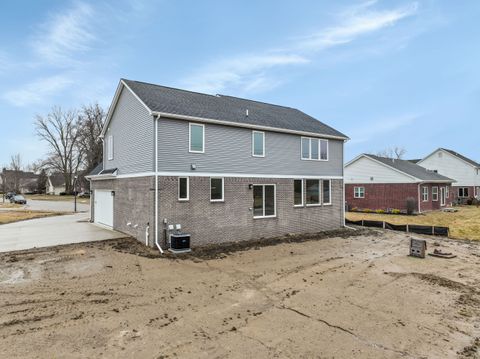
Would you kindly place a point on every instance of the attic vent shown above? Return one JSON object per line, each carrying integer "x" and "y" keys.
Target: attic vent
{"x": 246, "y": 112}
{"x": 440, "y": 154}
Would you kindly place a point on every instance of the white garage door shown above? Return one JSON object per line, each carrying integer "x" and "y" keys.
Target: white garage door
{"x": 103, "y": 207}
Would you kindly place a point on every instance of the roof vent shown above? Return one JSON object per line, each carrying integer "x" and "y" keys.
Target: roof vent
{"x": 246, "y": 112}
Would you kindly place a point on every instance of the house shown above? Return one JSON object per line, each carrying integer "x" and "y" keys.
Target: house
{"x": 465, "y": 171}
{"x": 18, "y": 181}
{"x": 222, "y": 168}
{"x": 56, "y": 184}
{"x": 373, "y": 182}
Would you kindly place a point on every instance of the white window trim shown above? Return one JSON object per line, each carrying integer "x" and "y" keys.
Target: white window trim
{"x": 329, "y": 203}
{"x": 110, "y": 147}
{"x": 188, "y": 189}
{"x": 309, "y": 158}
{"x": 263, "y": 196}
{"x": 435, "y": 194}
{"x": 253, "y": 144}
{"x": 190, "y": 137}
{"x": 463, "y": 192}
{"x": 425, "y": 194}
{"x": 319, "y": 193}
{"x": 223, "y": 190}
{"x": 303, "y": 193}
{"x": 355, "y": 195}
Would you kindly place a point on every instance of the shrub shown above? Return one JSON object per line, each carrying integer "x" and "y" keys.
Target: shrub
{"x": 354, "y": 209}
{"x": 63, "y": 193}
{"x": 380, "y": 211}
{"x": 396, "y": 211}
{"x": 367, "y": 210}
{"x": 470, "y": 201}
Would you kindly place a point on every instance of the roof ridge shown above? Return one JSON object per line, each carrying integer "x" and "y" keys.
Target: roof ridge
{"x": 170, "y": 87}
{"x": 262, "y": 102}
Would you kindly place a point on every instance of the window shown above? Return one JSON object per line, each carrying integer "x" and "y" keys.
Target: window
{"x": 463, "y": 192}
{"x": 327, "y": 195}
{"x": 264, "y": 201}
{"x": 435, "y": 194}
{"x": 196, "y": 137}
{"x": 298, "y": 192}
{"x": 313, "y": 192}
{"x": 314, "y": 149}
{"x": 183, "y": 188}
{"x": 216, "y": 189}
{"x": 358, "y": 192}
{"x": 424, "y": 194}
{"x": 447, "y": 192}
{"x": 110, "y": 147}
{"x": 258, "y": 144}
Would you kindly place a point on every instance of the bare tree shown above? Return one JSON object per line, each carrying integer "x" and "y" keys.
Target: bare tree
{"x": 16, "y": 174}
{"x": 90, "y": 124}
{"x": 60, "y": 130}
{"x": 393, "y": 152}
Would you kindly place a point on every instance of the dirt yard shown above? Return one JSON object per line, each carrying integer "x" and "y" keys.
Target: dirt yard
{"x": 464, "y": 224}
{"x": 344, "y": 297}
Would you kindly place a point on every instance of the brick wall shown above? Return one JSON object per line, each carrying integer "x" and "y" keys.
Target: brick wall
{"x": 216, "y": 222}
{"x": 394, "y": 196}
{"x": 133, "y": 202}
{"x": 382, "y": 195}
{"x": 232, "y": 220}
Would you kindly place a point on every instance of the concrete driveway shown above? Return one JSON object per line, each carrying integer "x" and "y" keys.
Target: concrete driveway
{"x": 52, "y": 231}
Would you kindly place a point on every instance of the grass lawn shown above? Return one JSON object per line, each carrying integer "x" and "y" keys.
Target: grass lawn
{"x": 46, "y": 197}
{"x": 7, "y": 204}
{"x": 464, "y": 224}
{"x": 16, "y": 216}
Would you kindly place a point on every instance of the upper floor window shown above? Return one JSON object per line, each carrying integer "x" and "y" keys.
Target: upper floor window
{"x": 196, "y": 135}
{"x": 258, "y": 144}
{"x": 434, "y": 193}
{"x": 358, "y": 192}
{"x": 110, "y": 147}
{"x": 314, "y": 149}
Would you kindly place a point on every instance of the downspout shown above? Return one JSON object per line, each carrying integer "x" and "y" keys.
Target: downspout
{"x": 156, "y": 185}
{"x": 419, "y": 205}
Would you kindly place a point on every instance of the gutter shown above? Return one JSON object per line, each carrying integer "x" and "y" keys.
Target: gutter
{"x": 156, "y": 119}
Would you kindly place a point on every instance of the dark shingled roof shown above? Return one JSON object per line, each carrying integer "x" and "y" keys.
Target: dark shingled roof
{"x": 96, "y": 170}
{"x": 227, "y": 108}
{"x": 416, "y": 160}
{"x": 411, "y": 168}
{"x": 466, "y": 159}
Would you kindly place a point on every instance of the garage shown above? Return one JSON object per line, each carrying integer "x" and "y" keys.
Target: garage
{"x": 103, "y": 207}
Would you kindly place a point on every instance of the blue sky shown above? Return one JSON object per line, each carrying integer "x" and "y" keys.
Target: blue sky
{"x": 385, "y": 73}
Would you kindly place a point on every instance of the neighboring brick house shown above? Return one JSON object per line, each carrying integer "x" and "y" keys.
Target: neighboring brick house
{"x": 224, "y": 168}
{"x": 373, "y": 182}
{"x": 465, "y": 171}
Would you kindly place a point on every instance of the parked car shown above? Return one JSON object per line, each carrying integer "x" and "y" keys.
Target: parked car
{"x": 10, "y": 195}
{"x": 18, "y": 199}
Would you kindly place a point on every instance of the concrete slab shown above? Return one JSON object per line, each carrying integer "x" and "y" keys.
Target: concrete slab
{"x": 52, "y": 231}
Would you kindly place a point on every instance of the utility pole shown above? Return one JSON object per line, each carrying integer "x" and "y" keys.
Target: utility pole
{"x": 75, "y": 192}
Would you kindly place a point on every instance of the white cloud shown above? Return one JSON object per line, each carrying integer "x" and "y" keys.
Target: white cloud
{"x": 65, "y": 35}
{"x": 36, "y": 92}
{"x": 253, "y": 73}
{"x": 355, "y": 23}
{"x": 247, "y": 70}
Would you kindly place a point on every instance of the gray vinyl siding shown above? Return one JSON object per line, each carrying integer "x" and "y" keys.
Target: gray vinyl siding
{"x": 229, "y": 150}
{"x": 133, "y": 137}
